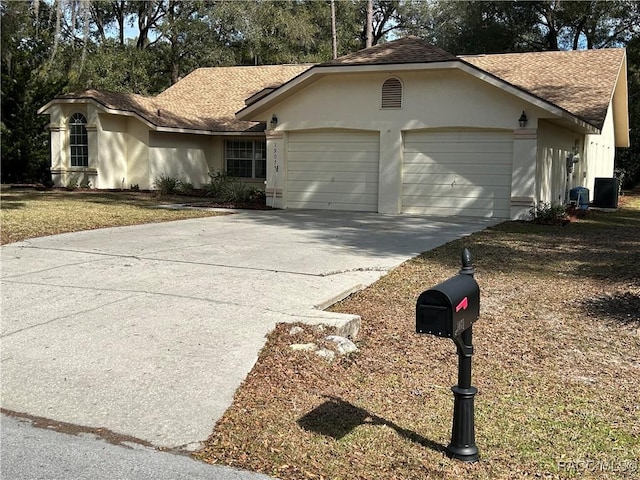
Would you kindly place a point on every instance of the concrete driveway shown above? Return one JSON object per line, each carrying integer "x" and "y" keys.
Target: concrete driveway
{"x": 147, "y": 331}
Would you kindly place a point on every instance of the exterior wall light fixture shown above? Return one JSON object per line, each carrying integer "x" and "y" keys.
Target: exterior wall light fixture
{"x": 522, "y": 121}
{"x": 274, "y": 121}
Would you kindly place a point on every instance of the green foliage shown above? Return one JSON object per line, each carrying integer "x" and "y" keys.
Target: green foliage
{"x": 166, "y": 185}
{"x": 85, "y": 183}
{"x": 184, "y": 187}
{"x": 545, "y": 212}
{"x": 228, "y": 189}
{"x": 628, "y": 159}
{"x": 72, "y": 182}
{"x": 28, "y": 82}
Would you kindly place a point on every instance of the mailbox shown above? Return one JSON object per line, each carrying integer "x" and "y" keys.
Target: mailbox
{"x": 449, "y": 308}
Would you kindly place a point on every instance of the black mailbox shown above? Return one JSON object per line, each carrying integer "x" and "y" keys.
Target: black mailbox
{"x": 449, "y": 308}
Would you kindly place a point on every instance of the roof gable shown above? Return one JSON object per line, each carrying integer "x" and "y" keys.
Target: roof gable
{"x": 206, "y": 100}
{"x": 405, "y": 50}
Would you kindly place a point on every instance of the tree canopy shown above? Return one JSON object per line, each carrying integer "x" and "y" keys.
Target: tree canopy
{"x": 56, "y": 46}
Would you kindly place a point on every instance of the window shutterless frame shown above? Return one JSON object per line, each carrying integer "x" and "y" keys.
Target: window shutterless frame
{"x": 246, "y": 158}
{"x": 78, "y": 140}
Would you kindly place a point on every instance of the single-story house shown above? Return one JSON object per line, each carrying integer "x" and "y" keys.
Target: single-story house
{"x": 401, "y": 127}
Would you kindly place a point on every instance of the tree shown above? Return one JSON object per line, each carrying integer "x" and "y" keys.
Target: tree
{"x": 29, "y": 80}
{"x": 628, "y": 159}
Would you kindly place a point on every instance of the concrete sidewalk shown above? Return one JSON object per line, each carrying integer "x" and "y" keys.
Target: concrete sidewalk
{"x": 148, "y": 331}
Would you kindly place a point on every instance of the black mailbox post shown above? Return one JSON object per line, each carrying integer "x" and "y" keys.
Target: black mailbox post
{"x": 449, "y": 310}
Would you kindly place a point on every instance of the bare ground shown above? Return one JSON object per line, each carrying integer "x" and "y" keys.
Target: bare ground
{"x": 556, "y": 364}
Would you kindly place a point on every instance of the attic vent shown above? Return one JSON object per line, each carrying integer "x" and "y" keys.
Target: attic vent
{"x": 392, "y": 93}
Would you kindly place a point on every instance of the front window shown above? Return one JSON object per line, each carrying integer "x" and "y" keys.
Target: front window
{"x": 79, "y": 140}
{"x": 246, "y": 158}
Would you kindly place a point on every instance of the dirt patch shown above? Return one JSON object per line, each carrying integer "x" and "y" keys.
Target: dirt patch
{"x": 555, "y": 363}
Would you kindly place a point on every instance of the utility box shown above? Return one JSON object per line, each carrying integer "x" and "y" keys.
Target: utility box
{"x": 449, "y": 308}
{"x": 606, "y": 192}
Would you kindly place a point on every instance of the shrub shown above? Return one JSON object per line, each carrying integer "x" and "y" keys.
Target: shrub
{"x": 72, "y": 182}
{"x": 184, "y": 187}
{"x": 545, "y": 212}
{"x": 85, "y": 183}
{"x": 166, "y": 185}
{"x": 227, "y": 189}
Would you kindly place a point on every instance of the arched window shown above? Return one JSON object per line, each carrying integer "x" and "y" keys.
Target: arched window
{"x": 78, "y": 140}
{"x": 392, "y": 93}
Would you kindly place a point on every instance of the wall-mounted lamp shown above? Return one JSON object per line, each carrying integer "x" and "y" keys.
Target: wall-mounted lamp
{"x": 274, "y": 121}
{"x": 522, "y": 121}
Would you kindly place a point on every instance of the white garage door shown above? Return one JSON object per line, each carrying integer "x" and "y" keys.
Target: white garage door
{"x": 457, "y": 173}
{"x": 333, "y": 170}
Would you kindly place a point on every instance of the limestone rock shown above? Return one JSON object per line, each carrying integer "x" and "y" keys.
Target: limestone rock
{"x": 295, "y": 330}
{"x": 326, "y": 353}
{"x": 305, "y": 347}
{"x": 343, "y": 344}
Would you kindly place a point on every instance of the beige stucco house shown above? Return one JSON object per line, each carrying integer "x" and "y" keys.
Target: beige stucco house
{"x": 401, "y": 127}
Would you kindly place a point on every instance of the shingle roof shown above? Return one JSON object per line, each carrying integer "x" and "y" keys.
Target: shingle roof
{"x": 403, "y": 50}
{"x": 206, "y": 99}
{"x": 581, "y": 82}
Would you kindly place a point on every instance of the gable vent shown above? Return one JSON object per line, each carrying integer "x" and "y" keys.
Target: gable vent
{"x": 392, "y": 93}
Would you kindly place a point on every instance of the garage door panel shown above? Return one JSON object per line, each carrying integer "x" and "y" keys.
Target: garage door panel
{"x": 342, "y": 163}
{"x": 333, "y": 147}
{"x": 437, "y": 191}
{"x": 324, "y": 176}
{"x": 487, "y": 148}
{"x": 456, "y": 169}
{"x": 299, "y": 188}
{"x": 455, "y": 136}
{"x": 458, "y": 158}
{"x": 453, "y": 202}
{"x": 457, "y": 173}
{"x": 333, "y": 170}
{"x": 469, "y": 211}
{"x": 325, "y": 200}
{"x": 470, "y": 187}
{"x": 332, "y": 205}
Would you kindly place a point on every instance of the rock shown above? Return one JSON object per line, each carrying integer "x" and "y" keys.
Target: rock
{"x": 326, "y": 353}
{"x": 305, "y": 347}
{"x": 343, "y": 344}
{"x": 295, "y": 330}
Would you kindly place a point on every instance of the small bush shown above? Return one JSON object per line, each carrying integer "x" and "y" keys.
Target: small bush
{"x": 135, "y": 188}
{"x": 85, "y": 183}
{"x": 548, "y": 213}
{"x": 166, "y": 185}
{"x": 228, "y": 189}
{"x": 72, "y": 182}
{"x": 185, "y": 188}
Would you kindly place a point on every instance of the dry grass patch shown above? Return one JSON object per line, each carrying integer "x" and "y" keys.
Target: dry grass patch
{"x": 556, "y": 366}
{"x": 30, "y": 213}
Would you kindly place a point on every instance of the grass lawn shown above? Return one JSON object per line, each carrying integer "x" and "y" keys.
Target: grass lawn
{"x": 557, "y": 364}
{"x": 28, "y": 213}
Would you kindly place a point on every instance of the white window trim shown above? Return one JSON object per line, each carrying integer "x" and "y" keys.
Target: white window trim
{"x": 254, "y": 158}
{"x": 84, "y": 157}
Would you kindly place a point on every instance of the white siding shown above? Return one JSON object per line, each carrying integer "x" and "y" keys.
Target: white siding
{"x": 457, "y": 173}
{"x": 333, "y": 170}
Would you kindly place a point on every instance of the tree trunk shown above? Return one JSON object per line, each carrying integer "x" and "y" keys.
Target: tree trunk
{"x": 369, "y": 27}
{"x": 334, "y": 35}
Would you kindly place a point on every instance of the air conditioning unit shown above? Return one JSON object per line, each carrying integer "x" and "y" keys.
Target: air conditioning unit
{"x": 605, "y": 193}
